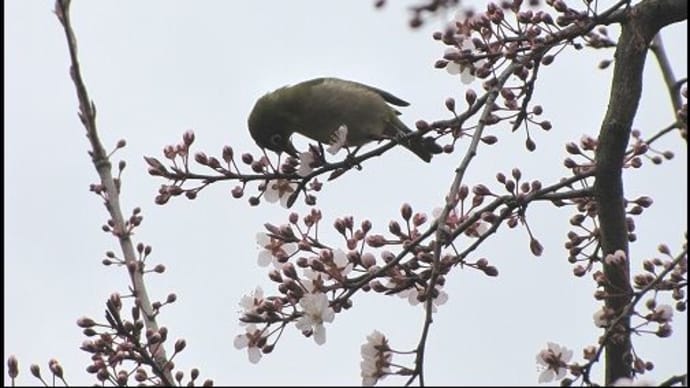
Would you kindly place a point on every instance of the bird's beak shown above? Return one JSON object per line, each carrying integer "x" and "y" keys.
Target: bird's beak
{"x": 291, "y": 150}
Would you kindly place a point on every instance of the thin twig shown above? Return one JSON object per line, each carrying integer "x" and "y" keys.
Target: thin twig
{"x": 87, "y": 115}
{"x": 659, "y": 51}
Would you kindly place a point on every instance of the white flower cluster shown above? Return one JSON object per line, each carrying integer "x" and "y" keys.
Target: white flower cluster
{"x": 412, "y": 296}
{"x": 337, "y": 269}
{"x": 315, "y": 311}
{"x": 306, "y": 159}
{"x": 454, "y": 219}
{"x": 376, "y": 359}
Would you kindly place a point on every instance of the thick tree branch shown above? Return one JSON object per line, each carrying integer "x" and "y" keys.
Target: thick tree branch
{"x": 643, "y": 22}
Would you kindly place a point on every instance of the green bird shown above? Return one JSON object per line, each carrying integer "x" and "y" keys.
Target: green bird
{"x": 318, "y": 108}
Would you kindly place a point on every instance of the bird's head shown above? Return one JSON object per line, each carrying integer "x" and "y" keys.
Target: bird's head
{"x": 270, "y": 125}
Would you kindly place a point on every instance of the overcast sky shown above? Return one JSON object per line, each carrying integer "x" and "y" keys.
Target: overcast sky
{"x": 157, "y": 68}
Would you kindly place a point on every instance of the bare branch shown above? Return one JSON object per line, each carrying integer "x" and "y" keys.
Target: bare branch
{"x": 87, "y": 114}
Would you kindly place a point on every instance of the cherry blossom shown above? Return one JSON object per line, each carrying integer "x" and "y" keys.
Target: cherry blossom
{"x": 602, "y": 317}
{"x": 627, "y": 382}
{"x": 553, "y": 362}
{"x": 279, "y": 190}
{"x": 376, "y": 358}
{"x": 455, "y": 218}
{"x": 342, "y": 265}
{"x": 337, "y": 268}
{"x": 274, "y": 250}
{"x": 663, "y": 313}
{"x": 615, "y": 258}
{"x": 251, "y": 302}
{"x": 250, "y": 340}
{"x": 305, "y": 163}
{"x": 465, "y": 70}
{"x": 339, "y": 138}
{"x": 412, "y": 295}
{"x": 316, "y": 312}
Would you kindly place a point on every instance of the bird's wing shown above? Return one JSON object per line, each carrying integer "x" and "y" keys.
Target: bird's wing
{"x": 389, "y": 98}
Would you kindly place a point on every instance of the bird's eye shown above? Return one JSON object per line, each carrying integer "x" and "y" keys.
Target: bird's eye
{"x": 276, "y": 139}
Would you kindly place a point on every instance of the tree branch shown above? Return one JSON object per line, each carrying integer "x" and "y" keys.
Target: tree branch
{"x": 672, "y": 84}
{"x": 100, "y": 159}
{"x": 643, "y": 22}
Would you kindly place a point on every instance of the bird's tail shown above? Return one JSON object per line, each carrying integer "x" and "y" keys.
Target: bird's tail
{"x": 424, "y": 147}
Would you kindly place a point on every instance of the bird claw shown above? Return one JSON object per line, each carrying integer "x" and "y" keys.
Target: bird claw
{"x": 350, "y": 158}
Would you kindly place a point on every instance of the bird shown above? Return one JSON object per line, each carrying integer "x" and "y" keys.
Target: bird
{"x": 319, "y": 108}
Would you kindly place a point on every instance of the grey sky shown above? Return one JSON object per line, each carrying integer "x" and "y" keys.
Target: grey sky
{"x": 155, "y": 69}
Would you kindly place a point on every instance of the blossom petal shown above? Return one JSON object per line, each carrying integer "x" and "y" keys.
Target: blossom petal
{"x": 284, "y": 200}
{"x": 320, "y": 334}
{"x": 453, "y": 68}
{"x": 272, "y": 194}
{"x": 263, "y": 239}
{"x": 303, "y": 324}
{"x": 328, "y": 315}
{"x": 441, "y": 298}
{"x": 340, "y": 137}
{"x": 241, "y": 341}
{"x": 265, "y": 258}
{"x": 466, "y": 76}
{"x": 254, "y": 354}
{"x": 289, "y": 248}
{"x": 412, "y": 297}
{"x": 305, "y": 161}
{"x": 545, "y": 376}
{"x": 340, "y": 258}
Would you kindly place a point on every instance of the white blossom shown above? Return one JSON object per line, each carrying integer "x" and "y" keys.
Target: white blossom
{"x": 305, "y": 161}
{"x": 663, "y": 313}
{"x": 249, "y": 303}
{"x": 466, "y": 76}
{"x": 273, "y": 248}
{"x": 465, "y": 70}
{"x": 376, "y": 359}
{"x": 279, "y": 190}
{"x": 454, "y": 219}
{"x": 601, "y": 317}
{"x": 338, "y": 269}
{"x": 250, "y": 340}
{"x": 316, "y": 312}
{"x": 339, "y": 137}
{"x": 615, "y": 258}
{"x": 627, "y": 382}
{"x": 412, "y": 295}
{"x": 341, "y": 262}
{"x": 553, "y": 362}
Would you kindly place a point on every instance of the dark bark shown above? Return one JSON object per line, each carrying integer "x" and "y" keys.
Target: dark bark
{"x": 641, "y": 24}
